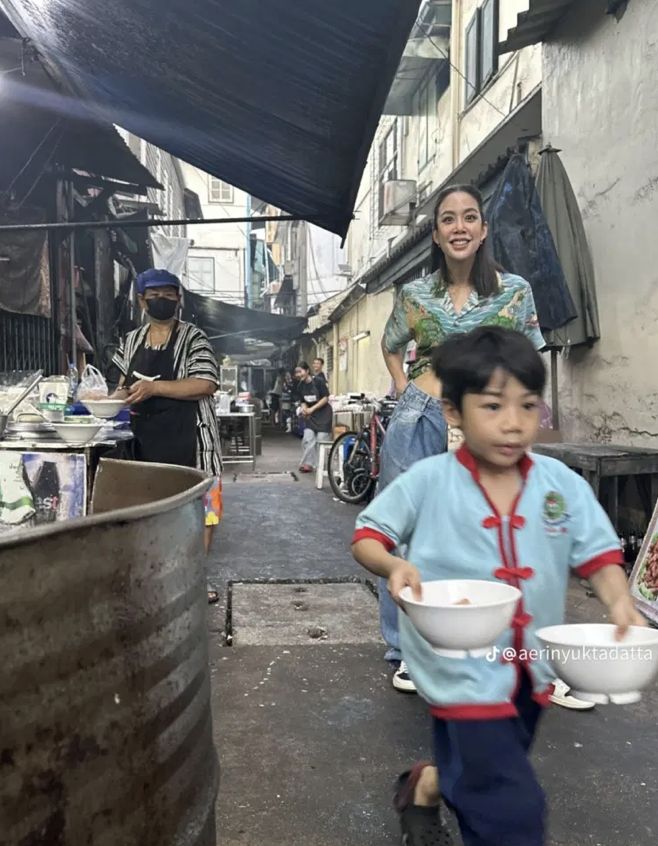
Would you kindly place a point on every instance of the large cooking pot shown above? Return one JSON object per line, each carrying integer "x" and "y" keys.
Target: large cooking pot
{"x": 105, "y": 725}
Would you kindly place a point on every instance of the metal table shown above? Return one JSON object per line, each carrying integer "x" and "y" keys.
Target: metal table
{"x": 238, "y": 435}
{"x": 607, "y": 461}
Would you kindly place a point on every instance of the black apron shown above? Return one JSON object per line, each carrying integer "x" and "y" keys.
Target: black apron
{"x": 164, "y": 429}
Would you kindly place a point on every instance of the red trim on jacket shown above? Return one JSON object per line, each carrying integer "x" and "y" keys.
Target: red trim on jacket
{"x": 614, "y": 556}
{"x": 497, "y": 711}
{"x": 373, "y": 534}
{"x": 511, "y": 571}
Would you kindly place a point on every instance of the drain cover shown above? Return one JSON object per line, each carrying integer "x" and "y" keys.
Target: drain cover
{"x": 274, "y": 614}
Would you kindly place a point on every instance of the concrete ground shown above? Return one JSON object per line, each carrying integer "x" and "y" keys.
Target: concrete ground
{"x": 311, "y": 734}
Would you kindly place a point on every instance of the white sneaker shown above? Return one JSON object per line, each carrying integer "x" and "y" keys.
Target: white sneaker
{"x": 402, "y": 680}
{"x": 562, "y": 697}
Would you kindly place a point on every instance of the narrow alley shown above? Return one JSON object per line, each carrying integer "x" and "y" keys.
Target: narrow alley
{"x": 311, "y": 734}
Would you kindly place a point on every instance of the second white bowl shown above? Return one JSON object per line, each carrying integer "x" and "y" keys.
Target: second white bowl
{"x": 77, "y": 434}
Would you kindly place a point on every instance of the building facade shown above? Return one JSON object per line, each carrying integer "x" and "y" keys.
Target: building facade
{"x": 581, "y": 76}
{"x": 216, "y": 257}
{"x": 169, "y": 202}
{"x": 461, "y": 104}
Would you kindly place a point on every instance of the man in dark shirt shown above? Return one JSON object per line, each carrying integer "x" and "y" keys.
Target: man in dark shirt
{"x": 318, "y": 369}
{"x": 313, "y": 395}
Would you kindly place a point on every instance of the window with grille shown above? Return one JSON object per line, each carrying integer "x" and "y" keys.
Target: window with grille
{"x": 330, "y": 359}
{"x": 481, "y": 49}
{"x": 219, "y": 191}
{"x": 489, "y": 41}
{"x": 201, "y": 274}
{"x": 425, "y": 106}
{"x": 387, "y": 162}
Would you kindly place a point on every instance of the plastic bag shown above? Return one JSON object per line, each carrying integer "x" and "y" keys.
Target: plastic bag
{"x": 92, "y": 385}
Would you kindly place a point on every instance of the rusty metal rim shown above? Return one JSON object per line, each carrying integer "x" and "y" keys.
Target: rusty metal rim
{"x": 123, "y": 515}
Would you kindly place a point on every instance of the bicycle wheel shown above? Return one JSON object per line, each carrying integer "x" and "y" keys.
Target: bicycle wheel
{"x": 350, "y": 464}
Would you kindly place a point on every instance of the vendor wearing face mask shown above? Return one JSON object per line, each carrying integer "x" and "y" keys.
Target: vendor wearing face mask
{"x": 169, "y": 375}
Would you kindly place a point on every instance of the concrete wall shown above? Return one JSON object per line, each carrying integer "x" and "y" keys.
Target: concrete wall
{"x": 601, "y": 110}
{"x": 365, "y": 370}
{"x": 367, "y": 241}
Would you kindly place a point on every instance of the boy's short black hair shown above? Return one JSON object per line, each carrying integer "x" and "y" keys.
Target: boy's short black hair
{"x": 466, "y": 362}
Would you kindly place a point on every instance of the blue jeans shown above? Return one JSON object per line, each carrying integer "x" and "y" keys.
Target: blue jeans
{"x": 416, "y": 430}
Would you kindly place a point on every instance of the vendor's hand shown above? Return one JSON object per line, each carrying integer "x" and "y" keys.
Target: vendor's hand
{"x": 119, "y": 394}
{"x": 404, "y": 575}
{"x": 306, "y": 412}
{"x": 623, "y": 614}
{"x": 141, "y": 391}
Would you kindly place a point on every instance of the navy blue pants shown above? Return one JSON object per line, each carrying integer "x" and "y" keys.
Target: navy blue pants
{"x": 486, "y": 777}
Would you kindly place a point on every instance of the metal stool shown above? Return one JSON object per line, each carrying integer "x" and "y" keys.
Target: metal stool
{"x": 325, "y": 442}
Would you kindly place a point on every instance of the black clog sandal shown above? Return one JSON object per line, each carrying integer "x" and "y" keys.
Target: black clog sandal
{"x": 421, "y": 825}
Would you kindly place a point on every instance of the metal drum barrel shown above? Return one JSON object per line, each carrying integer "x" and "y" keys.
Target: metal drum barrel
{"x": 105, "y": 724}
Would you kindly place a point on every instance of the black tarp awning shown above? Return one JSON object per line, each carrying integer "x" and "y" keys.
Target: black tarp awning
{"x": 279, "y": 98}
{"x": 38, "y": 133}
{"x": 228, "y": 326}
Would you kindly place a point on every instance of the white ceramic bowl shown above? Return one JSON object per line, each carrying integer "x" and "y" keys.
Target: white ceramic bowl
{"x": 106, "y": 409}
{"x": 454, "y": 629}
{"x": 78, "y": 434}
{"x": 599, "y": 668}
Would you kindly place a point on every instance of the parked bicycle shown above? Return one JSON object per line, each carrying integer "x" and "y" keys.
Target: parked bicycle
{"x": 354, "y": 457}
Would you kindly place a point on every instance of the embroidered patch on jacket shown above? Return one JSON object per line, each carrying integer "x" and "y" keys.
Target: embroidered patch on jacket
{"x": 556, "y": 515}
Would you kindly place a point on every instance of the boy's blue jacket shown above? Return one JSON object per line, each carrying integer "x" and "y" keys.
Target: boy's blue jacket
{"x": 441, "y": 512}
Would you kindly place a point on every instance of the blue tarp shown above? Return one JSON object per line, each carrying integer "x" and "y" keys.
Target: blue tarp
{"x": 523, "y": 244}
{"x": 279, "y": 98}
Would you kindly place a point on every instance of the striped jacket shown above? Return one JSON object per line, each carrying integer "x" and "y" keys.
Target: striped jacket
{"x": 194, "y": 358}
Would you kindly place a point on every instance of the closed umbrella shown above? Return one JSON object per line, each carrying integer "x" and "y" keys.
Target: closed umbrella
{"x": 566, "y": 224}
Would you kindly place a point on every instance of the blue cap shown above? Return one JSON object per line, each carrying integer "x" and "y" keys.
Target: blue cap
{"x": 155, "y": 278}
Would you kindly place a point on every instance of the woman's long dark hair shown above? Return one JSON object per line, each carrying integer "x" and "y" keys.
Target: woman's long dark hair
{"x": 484, "y": 275}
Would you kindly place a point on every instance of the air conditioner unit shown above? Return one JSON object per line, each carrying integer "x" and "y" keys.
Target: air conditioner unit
{"x": 399, "y": 201}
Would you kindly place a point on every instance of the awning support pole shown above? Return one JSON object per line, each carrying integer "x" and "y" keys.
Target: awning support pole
{"x": 136, "y": 224}
{"x": 554, "y": 392}
{"x": 72, "y": 292}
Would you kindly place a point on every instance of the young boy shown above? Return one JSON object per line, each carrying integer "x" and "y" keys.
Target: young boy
{"x": 489, "y": 511}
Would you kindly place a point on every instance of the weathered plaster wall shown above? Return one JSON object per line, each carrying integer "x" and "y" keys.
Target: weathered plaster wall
{"x": 601, "y": 109}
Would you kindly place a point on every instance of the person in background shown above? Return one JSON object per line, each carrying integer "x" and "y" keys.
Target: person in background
{"x": 287, "y": 402}
{"x": 316, "y": 412}
{"x": 275, "y": 397}
{"x": 168, "y": 376}
{"x": 318, "y": 370}
{"x": 489, "y": 511}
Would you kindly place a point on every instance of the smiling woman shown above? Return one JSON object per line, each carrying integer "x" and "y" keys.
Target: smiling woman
{"x": 466, "y": 291}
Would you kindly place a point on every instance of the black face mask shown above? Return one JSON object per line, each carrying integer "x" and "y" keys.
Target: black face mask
{"x": 161, "y": 309}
